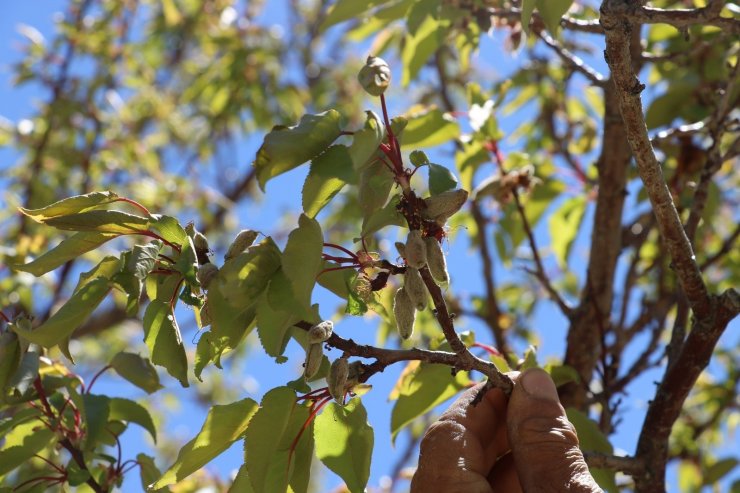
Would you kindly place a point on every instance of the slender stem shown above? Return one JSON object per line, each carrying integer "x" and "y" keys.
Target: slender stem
{"x": 339, "y": 247}
{"x": 4, "y": 317}
{"x": 95, "y": 378}
{"x": 135, "y": 204}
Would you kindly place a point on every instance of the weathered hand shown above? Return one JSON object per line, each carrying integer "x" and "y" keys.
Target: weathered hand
{"x": 525, "y": 444}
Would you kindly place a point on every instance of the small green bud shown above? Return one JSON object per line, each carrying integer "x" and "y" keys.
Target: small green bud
{"x": 415, "y": 288}
{"x": 242, "y": 241}
{"x": 320, "y": 332}
{"x": 441, "y": 207}
{"x": 416, "y": 250}
{"x": 436, "y": 260}
{"x": 314, "y": 355}
{"x": 206, "y": 274}
{"x": 403, "y": 309}
{"x": 375, "y": 76}
{"x": 337, "y": 379}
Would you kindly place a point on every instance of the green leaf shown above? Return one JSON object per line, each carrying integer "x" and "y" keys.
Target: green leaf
{"x": 205, "y": 352}
{"x": 428, "y": 26}
{"x": 389, "y": 215}
{"x": 25, "y": 372}
{"x": 327, "y": 176}
{"x": 284, "y": 148}
{"x": 32, "y": 443}
{"x": 149, "y": 473}
{"x": 273, "y": 326}
{"x": 530, "y": 359}
{"x": 111, "y": 222}
{"x": 10, "y": 359}
{"x": 302, "y": 260}
{"x": 71, "y": 205}
{"x": 429, "y": 129}
{"x": 223, "y": 426}
{"x": 552, "y": 11}
{"x": 441, "y": 179}
{"x": 70, "y": 316}
{"x": 365, "y": 142}
{"x": 376, "y": 182}
{"x": 169, "y": 229}
{"x": 70, "y": 248}
{"x": 137, "y": 370}
{"x": 593, "y": 440}
{"x": 564, "y": 224}
{"x": 355, "y": 305}
{"x": 344, "y": 10}
{"x": 95, "y": 410}
{"x": 418, "y": 158}
{"x": 718, "y": 470}
{"x": 421, "y": 389}
{"x": 128, "y": 410}
{"x": 162, "y": 337}
{"x": 137, "y": 264}
{"x": 526, "y": 16}
{"x": 187, "y": 262}
{"x": 344, "y": 442}
{"x": 268, "y": 440}
{"x": 241, "y": 483}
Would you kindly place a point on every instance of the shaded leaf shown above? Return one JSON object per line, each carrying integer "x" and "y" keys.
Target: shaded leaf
{"x": 133, "y": 412}
{"x": 441, "y": 179}
{"x": 365, "y": 142}
{"x": 389, "y": 215}
{"x": 273, "y": 326}
{"x": 70, "y": 316}
{"x": 137, "y": 370}
{"x": 344, "y": 10}
{"x": 325, "y": 179}
{"x": 111, "y": 222}
{"x": 224, "y": 425}
{"x": 68, "y": 249}
{"x": 162, "y": 337}
{"x": 149, "y": 473}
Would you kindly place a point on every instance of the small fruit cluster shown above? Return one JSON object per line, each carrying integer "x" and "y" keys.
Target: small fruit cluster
{"x": 420, "y": 251}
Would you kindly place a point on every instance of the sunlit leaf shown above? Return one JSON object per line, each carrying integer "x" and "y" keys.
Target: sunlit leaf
{"x": 564, "y": 224}
{"x": 284, "y": 148}
{"x": 302, "y": 260}
{"x": 111, "y": 222}
{"x": 71, "y": 205}
{"x": 33, "y": 443}
{"x": 344, "y": 442}
{"x": 429, "y": 129}
{"x": 326, "y": 177}
{"x": 223, "y": 426}
{"x": 344, "y": 10}
{"x": 422, "y": 389}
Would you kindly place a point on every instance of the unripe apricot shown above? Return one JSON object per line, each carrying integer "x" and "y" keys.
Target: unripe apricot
{"x": 314, "y": 355}
{"x": 375, "y": 76}
{"x": 242, "y": 241}
{"x": 403, "y": 309}
{"x": 320, "y": 332}
{"x": 415, "y": 288}
{"x": 436, "y": 260}
{"x": 415, "y": 250}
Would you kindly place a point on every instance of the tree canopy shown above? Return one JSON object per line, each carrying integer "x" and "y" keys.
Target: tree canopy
{"x": 420, "y": 192}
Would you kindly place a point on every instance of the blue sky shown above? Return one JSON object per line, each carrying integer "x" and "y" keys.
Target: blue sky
{"x": 260, "y": 373}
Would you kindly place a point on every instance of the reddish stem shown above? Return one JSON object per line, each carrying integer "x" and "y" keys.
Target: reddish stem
{"x": 341, "y": 248}
{"x": 56, "y": 467}
{"x": 168, "y": 259}
{"x": 51, "y": 479}
{"x": 335, "y": 268}
{"x": 4, "y": 317}
{"x": 42, "y": 396}
{"x": 135, "y": 204}
{"x": 313, "y": 394}
{"x": 92, "y": 382}
{"x": 314, "y": 412}
{"x": 489, "y": 349}
{"x": 391, "y": 138}
{"x": 340, "y": 260}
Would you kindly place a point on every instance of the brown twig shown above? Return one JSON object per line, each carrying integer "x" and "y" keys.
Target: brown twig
{"x": 572, "y": 60}
{"x": 628, "y": 465}
{"x": 678, "y": 18}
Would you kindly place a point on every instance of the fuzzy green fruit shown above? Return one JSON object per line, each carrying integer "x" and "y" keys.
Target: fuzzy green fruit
{"x": 415, "y": 288}
{"x": 440, "y": 208}
{"x": 415, "y": 250}
{"x": 436, "y": 260}
{"x": 314, "y": 355}
{"x": 242, "y": 241}
{"x": 320, "y": 332}
{"x": 403, "y": 309}
{"x": 337, "y": 379}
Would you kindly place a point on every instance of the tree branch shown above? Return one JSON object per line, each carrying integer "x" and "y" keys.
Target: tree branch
{"x": 628, "y": 465}
{"x": 678, "y": 18}
{"x": 572, "y": 60}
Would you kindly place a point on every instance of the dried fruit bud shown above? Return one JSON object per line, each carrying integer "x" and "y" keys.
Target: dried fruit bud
{"x": 314, "y": 355}
{"x": 403, "y": 309}
{"x": 241, "y": 242}
{"x": 441, "y": 207}
{"x": 416, "y": 250}
{"x": 320, "y": 332}
{"x": 206, "y": 273}
{"x": 337, "y": 379}
{"x": 415, "y": 288}
{"x": 436, "y": 260}
{"x": 353, "y": 375}
{"x": 375, "y": 76}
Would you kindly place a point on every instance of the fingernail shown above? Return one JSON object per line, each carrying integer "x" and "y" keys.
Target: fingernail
{"x": 537, "y": 383}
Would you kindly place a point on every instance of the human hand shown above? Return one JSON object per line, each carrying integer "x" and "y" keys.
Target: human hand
{"x": 525, "y": 444}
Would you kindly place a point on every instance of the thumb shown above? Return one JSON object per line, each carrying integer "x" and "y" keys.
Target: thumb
{"x": 543, "y": 442}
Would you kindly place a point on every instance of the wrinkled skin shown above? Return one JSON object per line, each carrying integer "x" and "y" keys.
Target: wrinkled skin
{"x": 525, "y": 444}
